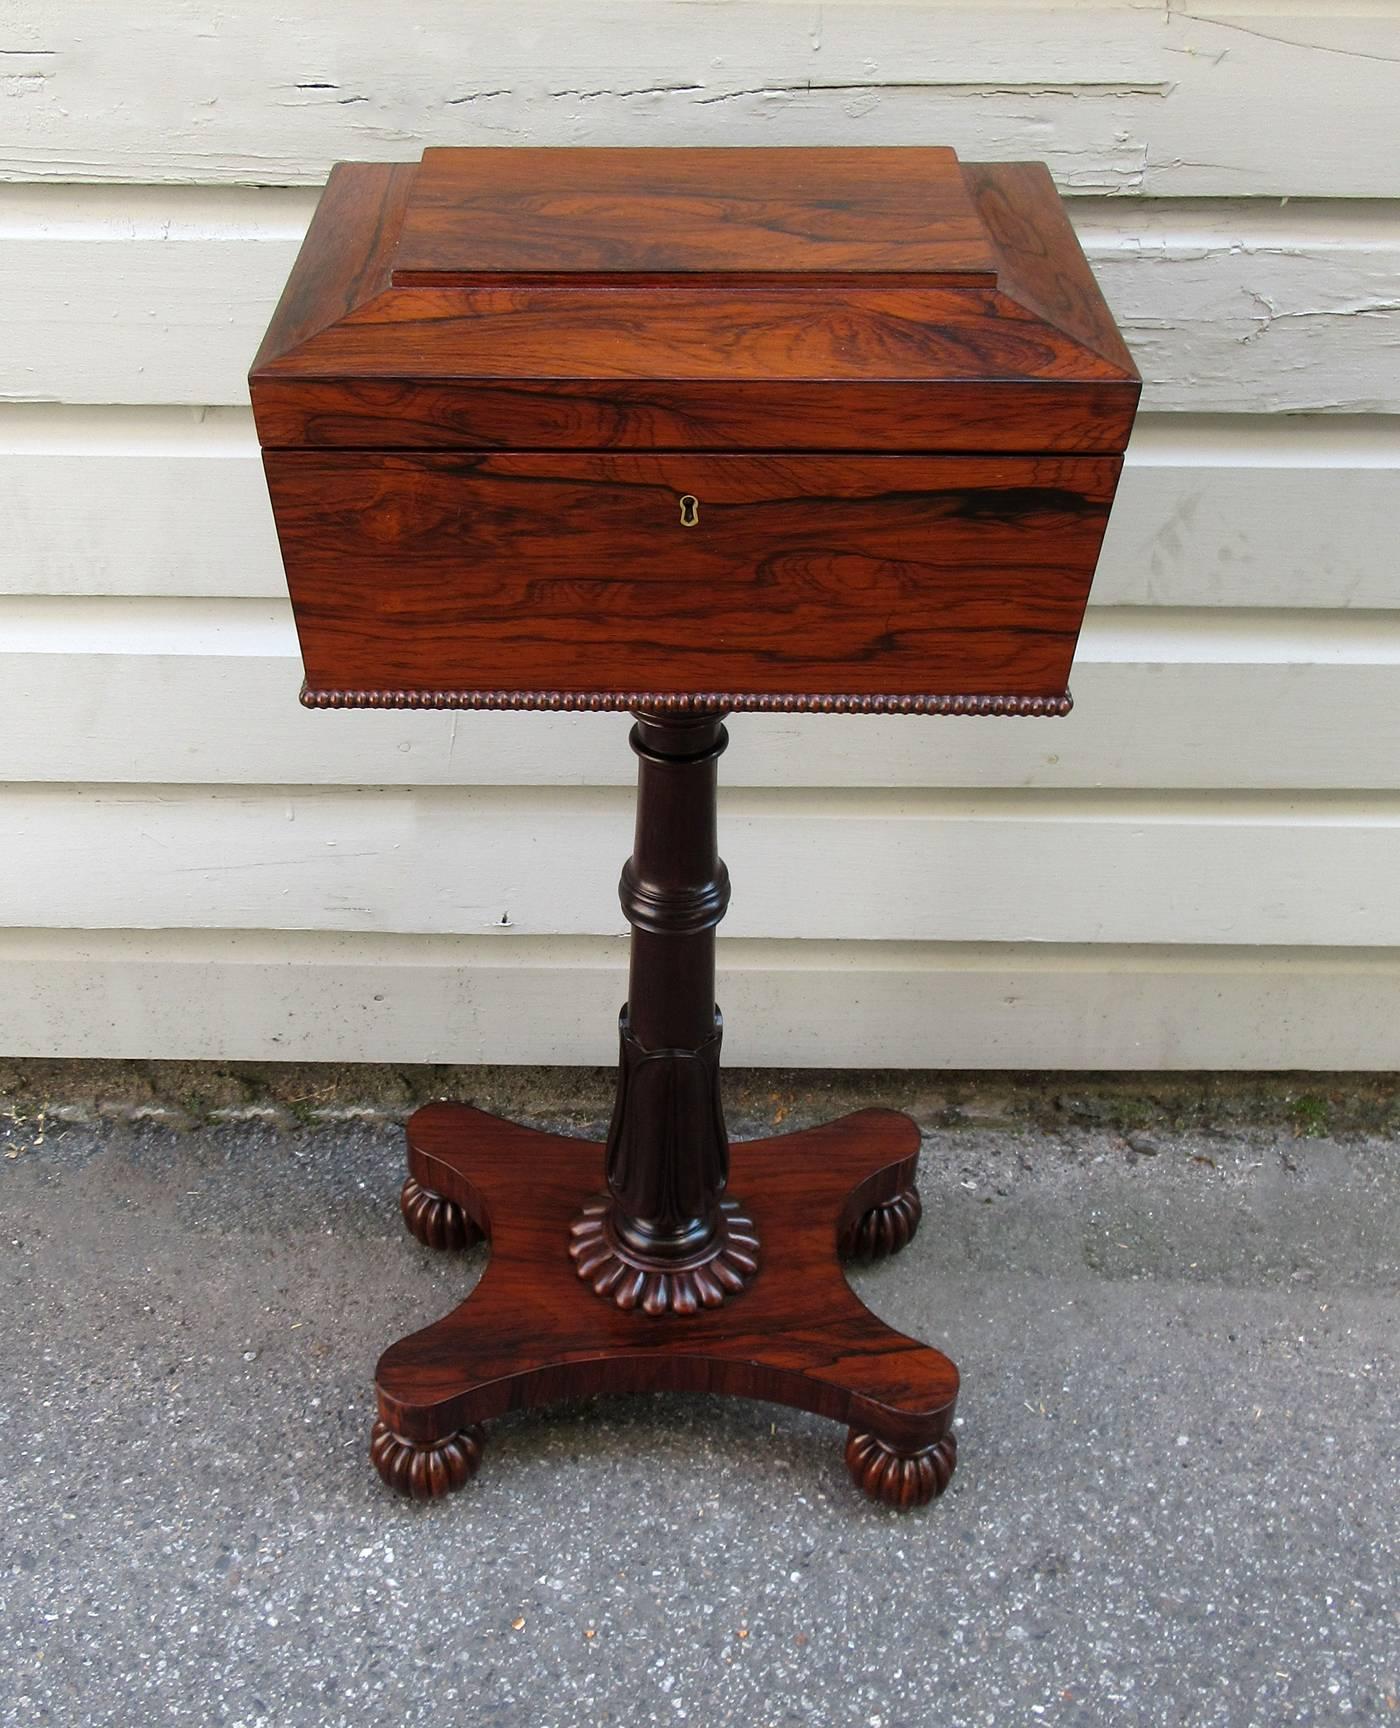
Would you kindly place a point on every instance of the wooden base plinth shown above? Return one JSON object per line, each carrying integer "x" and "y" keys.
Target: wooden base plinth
{"x": 533, "y": 1332}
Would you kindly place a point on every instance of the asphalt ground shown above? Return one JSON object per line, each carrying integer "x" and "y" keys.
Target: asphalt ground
{"x": 1177, "y": 1501}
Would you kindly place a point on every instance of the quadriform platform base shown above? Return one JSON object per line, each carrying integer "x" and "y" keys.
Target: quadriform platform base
{"x": 534, "y": 1332}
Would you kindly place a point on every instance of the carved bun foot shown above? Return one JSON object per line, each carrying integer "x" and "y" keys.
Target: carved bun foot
{"x": 730, "y": 1262}
{"x": 425, "y": 1472}
{"x": 901, "y": 1479}
{"x": 435, "y": 1220}
{"x": 884, "y": 1230}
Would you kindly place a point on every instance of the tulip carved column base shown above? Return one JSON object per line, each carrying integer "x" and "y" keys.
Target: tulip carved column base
{"x": 722, "y": 1268}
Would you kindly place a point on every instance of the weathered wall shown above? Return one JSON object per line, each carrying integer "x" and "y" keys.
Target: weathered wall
{"x": 1196, "y": 869}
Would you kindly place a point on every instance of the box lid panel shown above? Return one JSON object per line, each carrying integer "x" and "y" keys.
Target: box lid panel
{"x": 1040, "y": 264}
{"x": 835, "y": 334}
{"x": 732, "y": 327}
{"x": 705, "y": 414}
{"x": 484, "y": 215}
{"x": 346, "y": 258}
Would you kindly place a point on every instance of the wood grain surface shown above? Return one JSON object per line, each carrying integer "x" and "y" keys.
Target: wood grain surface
{"x": 693, "y": 413}
{"x": 479, "y": 214}
{"x": 357, "y": 222}
{"x": 532, "y": 1333}
{"x": 1039, "y": 262}
{"x": 571, "y": 572}
{"x": 694, "y": 299}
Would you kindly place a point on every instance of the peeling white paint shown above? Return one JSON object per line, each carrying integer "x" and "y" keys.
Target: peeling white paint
{"x": 1118, "y": 97}
{"x": 1230, "y": 306}
{"x": 1197, "y": 868}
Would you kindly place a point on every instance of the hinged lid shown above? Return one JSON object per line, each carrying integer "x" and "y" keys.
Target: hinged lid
{"x": 819, "y": 299}
{"x": 479, "y": 217}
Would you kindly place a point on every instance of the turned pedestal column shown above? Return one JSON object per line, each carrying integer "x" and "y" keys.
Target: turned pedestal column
{"x": 666, "y": 1289}
{"x": 667, "y": 1237}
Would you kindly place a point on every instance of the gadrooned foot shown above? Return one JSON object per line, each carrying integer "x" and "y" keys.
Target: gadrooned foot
{"x": 885, "y": 1229}
{"x": 901, "y": 1479}
{"x": 729, "y": 1263}
{"x": 426, "y": 1472}
{"x": 435, "y": 1220}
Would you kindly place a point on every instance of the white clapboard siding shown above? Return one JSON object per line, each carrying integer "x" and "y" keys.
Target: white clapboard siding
{"x": 1260, "y": 96}
{"x": 144, "y": 691}
{"x": 903, "y": 866}
{"x": 321, "y": 997}
{"x": 1228, "y": 307}
{"x": 136, "y": 501}
{"x": 1196, "y": 869}
{"x": 1255, "y": 510}
{"x": 1234, "y": 510}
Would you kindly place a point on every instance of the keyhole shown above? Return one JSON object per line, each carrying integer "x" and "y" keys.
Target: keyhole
{"x": 690, "y": 511}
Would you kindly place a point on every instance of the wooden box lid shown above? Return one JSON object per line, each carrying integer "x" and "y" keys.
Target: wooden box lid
{"x": 478, "y": 217}
{"x": 819, "y": 299}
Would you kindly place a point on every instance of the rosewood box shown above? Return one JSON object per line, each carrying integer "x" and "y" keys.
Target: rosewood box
{"x": 806, "y": 428}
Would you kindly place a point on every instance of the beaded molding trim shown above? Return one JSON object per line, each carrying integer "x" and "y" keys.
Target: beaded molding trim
{"x": 733, "y": 701}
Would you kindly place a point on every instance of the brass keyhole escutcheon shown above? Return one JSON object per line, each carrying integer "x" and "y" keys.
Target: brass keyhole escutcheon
{"x": 690, "y": 510}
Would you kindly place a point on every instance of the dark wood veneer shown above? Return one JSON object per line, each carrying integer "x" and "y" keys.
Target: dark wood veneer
{"x": 684, "y": 432}
{"x": 899, "y": 416}
{"x": 993, "y": 338}
{"x": 879, "y": 575}
{"x": 533, "y": 1333}
{"x": 714, "y": 213}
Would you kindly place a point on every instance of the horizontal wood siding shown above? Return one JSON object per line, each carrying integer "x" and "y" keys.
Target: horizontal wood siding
{"x": 913, "y": 866}
{"x": 1215, "y": 510}
{"x": 1263, "y": 97}
{"x": 150, "y": 295}
{"x": 1194, "y": 869}
{"x": 1164, "y": 698}
{"x": 316, "y": 996}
